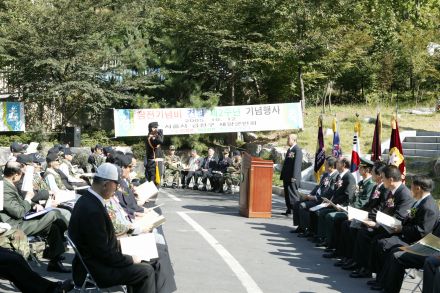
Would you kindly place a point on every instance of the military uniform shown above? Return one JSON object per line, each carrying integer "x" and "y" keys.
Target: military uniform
{"x": 173, "y": 168}
{"x": 233, "y": 173}
{"x": 16, "y": 240}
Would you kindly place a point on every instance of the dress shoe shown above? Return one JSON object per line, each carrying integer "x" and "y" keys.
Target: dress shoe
{"x": 303, "y": 234}
{"x": 195, "y": 187}
{"x": 329, "y": 250}
{"x": 321, "y": 244}
{"x": 64, "y": 286}
{"x": 349, "y": 266}
{"x": 362, "y": 273}
{"x": 340, "y": 263}
{"x": 376, "y": 287}
{"x": 329, "y": 255}
{"x": 204, "y": 188}
{"x": 372, "y": 282}
{"x": 286, "y": 213}
{"x": 57, "y": 266}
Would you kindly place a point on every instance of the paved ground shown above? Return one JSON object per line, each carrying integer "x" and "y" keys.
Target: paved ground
{"x": 213, "y": 249}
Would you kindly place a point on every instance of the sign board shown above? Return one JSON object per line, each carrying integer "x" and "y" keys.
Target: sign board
{"x": 11, "y": 116}
{"x": 173, "y": 121}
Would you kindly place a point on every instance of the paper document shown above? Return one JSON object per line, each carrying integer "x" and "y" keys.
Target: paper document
{"x": 28, "y": 179}
{"x": 142, "y": 246}
{"x": 320, "y": 206}
{"x": 32, "y": 215}
{"x": 427, "y": 246}
{"x": 357, "y": 214}
{"x": 32, "y": 148}
{"x": 146, "y": 190}
{"x": 65, "y": 195}
{"x": 341, "y": 208}
{"x": 387, "y": 222}
{"x": 150, "y": 219}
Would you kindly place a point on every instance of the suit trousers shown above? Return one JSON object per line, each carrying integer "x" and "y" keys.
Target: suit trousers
{"x": 333, "y": 223}
{"x": 392, "y": 274}
{"x": 322, "y": 213}
{"x": 15, "y": 268}
{"x": 381, "y": 249}
{"x": 51, "y": 226}
{"x": 347, "y": 239}
{"x": 365, "y": 240}
{"x": 431, "y": 275}
{"x": 304, "y": 214}
{"x": 291, "y": 194}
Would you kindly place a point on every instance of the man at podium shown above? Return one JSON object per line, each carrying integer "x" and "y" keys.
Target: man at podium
{"x": 291, "y": 173}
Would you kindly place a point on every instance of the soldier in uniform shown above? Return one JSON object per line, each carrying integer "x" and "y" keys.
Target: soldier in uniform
{"x": 14, "y": 239}
{"x": 173, "y": 167}
{"x": 154, "y": 153}
{"x": 232, "y": 175}
{"x": 96, "y": 158}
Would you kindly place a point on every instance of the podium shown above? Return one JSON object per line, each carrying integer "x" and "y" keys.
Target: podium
{"x": 256, "y": 187}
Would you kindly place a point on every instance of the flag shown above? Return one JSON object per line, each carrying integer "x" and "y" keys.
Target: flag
{"x": 376, "y": 148}
{"x": 319, "y": 167}
{"x": 396, "y": 154}
{"x": 336, "y": 149}
{"x": 356, "y": 152}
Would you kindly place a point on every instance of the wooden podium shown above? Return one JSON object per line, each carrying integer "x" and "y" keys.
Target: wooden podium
{"x": 256, "y": 187}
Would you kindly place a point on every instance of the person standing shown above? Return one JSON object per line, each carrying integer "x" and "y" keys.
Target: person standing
{"x": 291, "y": 173}
{"x": 154, "y": 153}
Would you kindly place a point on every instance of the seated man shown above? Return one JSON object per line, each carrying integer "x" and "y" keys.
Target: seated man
{"x": 96, "y": 158}
{"x": 51, "y": 225}
{"x": 205, "y": 171}
{"x": 98, "y": 244}
{"x": 218, "y": 172}
{"x": 14, "y": 239}
{"x": 172, "y": 168}
{"x": 422, "y": 218}
{"x": 194, "y": 164}
{"x": 69, "y": 170}
{"x": 14, "y": 268}
{"x": 54, "y": 177}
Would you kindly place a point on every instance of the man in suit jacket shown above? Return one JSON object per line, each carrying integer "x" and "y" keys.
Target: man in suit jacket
{"x": 92, "y": 232}
{"x": 420, "y": 221}
{"x": 205, "y": 171}
{"x": 291, "y": 173}
{"x": 397, "y": 204}
{"x": 51, "y": 225}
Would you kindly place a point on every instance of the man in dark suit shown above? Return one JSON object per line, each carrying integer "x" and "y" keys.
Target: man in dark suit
{"x": 92, "y": 232}
{"x": 50, "y": 225}
{"x": 325, "y": 189}
{"x": 205, "y": 171}
{"x": 291, "y": 173}
{"x": 431, "y": 275}
{"x": 397, "y": 204}
{"x": 420, "y": 221}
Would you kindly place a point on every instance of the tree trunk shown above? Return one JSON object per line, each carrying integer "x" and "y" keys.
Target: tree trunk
{"x": 330, "y": 89}
{"x": 301, "y": 86}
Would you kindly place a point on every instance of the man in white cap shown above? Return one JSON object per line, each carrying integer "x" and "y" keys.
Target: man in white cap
{"x": 92, "y": 231}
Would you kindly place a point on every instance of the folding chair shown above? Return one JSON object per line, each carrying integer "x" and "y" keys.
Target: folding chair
{"x": 89, "y": 283}
{"x": 412, "y": 274}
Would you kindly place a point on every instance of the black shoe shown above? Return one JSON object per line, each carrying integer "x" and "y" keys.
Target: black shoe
{"x": 329, "y": 250}
{"x": 376, "y": 287}
{"x": 297, "y": 230}
{"x": 362, "y": 273}
{"x": 339, "y": 263}
{"x": 195, "y": 187}
{"x": 57, "y": 266}
{"x": 349, "y": 266}
{"x": 372, "y": 282}
{"x": 204, "y": 188}
{"x": 329, "y": 255}
{"x": 321, "y": 244}
{"x": 64, "y": 286}
{"x": 304, "y": 234}
{"x": 286, "y": 213}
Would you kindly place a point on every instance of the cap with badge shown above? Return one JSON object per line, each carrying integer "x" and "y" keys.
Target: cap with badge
{"x": 366, "y": 163}
{"x": 17, "y": 147}
{"x": 37, "y": 158}
{"x": 107, "y": 171}
{"x": 172, "y": 148}
{"x": 67, "y": 151}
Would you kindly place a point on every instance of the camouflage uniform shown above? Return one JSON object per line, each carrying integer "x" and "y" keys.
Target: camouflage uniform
{"x": 233, "y": 173}
{"x": 16, "y": 240}
{"x": 173, "y": 168}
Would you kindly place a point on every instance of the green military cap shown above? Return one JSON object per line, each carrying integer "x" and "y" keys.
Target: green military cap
{"x": 366, "y": 163}
{"x": 172, "y": 148}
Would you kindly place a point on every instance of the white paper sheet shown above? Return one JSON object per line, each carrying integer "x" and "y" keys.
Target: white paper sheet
{"x": 388, "y": 222}
{"x": 357, "y": 214}
{"x": 146, "y": 191}
{"x": 320, "y": 206}
{"x": 142, "y": 246}
{"x": 28, "y": 179}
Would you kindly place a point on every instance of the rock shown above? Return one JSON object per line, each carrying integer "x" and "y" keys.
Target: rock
{"x": 278, "y": 154}
{"x": 253, "y": 149}
{"x": 436, "y": 169}
{"x": 266, "y": 154}
{"x": 249, "y": 136}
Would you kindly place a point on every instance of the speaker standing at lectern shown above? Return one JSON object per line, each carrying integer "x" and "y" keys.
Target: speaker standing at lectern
{"x": 154, "y": 160}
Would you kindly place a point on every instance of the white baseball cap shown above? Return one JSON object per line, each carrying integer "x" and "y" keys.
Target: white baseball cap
{"x": 107, "y": 171}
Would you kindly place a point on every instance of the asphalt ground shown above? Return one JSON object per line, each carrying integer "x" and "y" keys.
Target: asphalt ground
{"x": 213, "y": 249}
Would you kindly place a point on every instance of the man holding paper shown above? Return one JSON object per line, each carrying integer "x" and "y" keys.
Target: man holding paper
{"x": 92, "y": 231}
{"x": 420, "y": 221}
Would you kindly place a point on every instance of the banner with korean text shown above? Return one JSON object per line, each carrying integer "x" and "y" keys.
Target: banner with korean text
{"x": 11, "y": 116}
{"x": 134, "y": 122}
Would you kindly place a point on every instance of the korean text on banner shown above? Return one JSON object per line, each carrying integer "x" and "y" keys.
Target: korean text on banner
{"x": 173, "y": 121}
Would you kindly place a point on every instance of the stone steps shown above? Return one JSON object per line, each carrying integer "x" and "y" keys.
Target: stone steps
{"x": 425, "y": 144}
